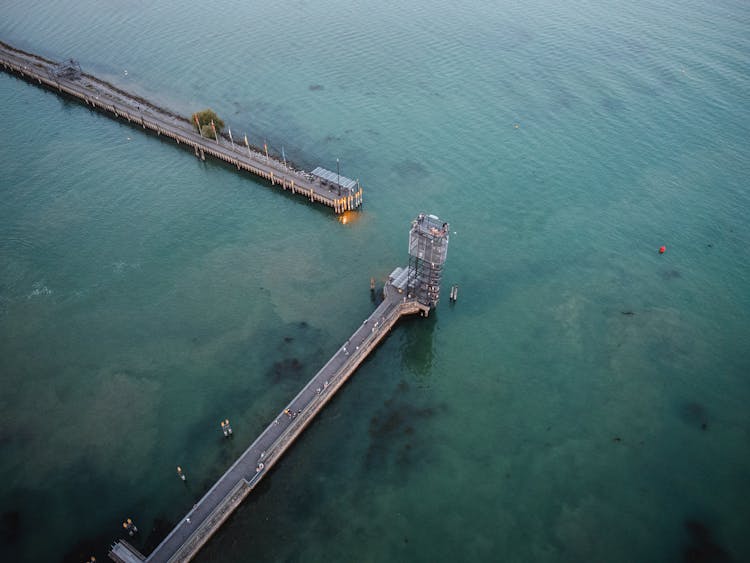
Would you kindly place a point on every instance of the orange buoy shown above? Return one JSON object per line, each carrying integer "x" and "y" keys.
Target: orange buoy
{"x": 662, "y": 249}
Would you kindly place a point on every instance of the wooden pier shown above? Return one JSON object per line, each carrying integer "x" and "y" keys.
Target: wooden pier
{"x": 207, "y": 516}
{"x": 342, "y": 195}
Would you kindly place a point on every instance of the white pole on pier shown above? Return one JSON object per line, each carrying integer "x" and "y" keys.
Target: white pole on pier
{"x": 197, "y": 123}
{"x": 283, "y": 155}
{"x": 230, "y": 136}
{"x": 247, "y": 145}
{"x": 213, "y": 128}
{"x": 265, "y": 147}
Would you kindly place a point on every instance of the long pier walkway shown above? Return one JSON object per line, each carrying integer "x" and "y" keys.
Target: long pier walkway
{"x": 341, "y": 195}
{"x": 198, "y": 525}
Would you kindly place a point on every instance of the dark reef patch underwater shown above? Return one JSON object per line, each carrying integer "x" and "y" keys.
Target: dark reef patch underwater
{"x": 701, "y": 546}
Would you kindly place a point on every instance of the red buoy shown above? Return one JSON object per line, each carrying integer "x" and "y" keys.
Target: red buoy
{"x": 662, "y": 249}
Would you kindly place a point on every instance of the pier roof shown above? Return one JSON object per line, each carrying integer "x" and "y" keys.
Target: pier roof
{"x": 334, "y": 178}
{"x": 430, "y": 224}
{"x": 398, "y": 278}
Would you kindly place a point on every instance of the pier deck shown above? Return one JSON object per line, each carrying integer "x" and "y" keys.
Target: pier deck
{"x": 205, "y": 518}
{"x": 112, "y": 101}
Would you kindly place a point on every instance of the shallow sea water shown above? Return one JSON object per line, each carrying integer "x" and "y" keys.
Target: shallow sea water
{"x": 145, "y": 295}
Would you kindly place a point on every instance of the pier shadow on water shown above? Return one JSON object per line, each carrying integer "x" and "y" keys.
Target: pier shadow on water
{"x": 395, "y": 428}
{"x": 417, "y": 349}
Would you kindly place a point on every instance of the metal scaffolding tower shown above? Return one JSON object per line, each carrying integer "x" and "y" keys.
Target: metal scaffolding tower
{"x": 428, "y": 248}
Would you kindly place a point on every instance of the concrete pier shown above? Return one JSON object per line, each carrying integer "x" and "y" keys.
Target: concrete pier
{"x": 207, "y": 516}
{"x": 341, "y": 196}
{"x": 411, "y": 290}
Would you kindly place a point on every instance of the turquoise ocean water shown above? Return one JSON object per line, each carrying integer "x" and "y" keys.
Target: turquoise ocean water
{"x": 144, "y": 295}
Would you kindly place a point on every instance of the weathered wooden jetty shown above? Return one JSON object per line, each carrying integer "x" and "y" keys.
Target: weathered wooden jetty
{"x": 411, "y": 290}
{"x": 321, "y": 186}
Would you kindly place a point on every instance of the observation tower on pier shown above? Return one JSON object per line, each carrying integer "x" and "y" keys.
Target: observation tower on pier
{"x": 428, "y": 249}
